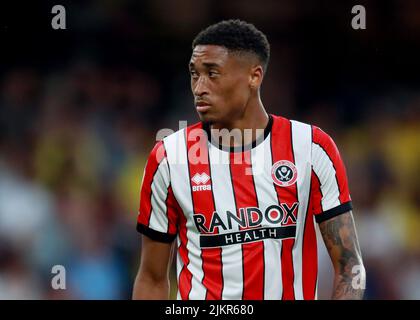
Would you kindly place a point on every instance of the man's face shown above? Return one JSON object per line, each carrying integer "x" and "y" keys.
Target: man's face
{"x": 220, "y": 82}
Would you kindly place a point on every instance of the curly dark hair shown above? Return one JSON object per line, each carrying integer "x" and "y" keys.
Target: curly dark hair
{"x": 237, "y": 36}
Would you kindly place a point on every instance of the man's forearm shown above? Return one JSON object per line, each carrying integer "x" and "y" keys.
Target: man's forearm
{"x": 350, "y": 277}
{"x": 345, "y": 289}
{"x": 340, "y": 238}
{"x": 146, "y": 289}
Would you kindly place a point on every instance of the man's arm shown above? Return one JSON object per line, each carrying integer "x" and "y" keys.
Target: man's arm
{"x": 152, "y": 280}
{"x": 339, "y": 234}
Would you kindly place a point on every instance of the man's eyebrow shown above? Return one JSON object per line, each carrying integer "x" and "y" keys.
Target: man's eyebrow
{"x": 206, "y": 64}
{"x": 210, "y": 64}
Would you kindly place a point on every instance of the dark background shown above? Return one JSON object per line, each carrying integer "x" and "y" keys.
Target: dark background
{"x": 80, "y": 108}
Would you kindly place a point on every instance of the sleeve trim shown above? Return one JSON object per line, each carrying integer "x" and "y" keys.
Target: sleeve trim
{"x": 155, "y": 235}
{"x": 331, "y": 213}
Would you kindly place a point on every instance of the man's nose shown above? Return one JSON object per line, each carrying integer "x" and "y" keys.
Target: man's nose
{"x": 200, "y": 87}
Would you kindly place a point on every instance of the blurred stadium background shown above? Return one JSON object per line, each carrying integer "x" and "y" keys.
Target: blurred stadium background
{"x": 80, "y": 108}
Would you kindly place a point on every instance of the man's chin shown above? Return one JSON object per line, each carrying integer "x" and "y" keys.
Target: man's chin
{"x": 205, "y": 116}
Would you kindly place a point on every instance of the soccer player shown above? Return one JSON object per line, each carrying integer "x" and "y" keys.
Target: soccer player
{"x": 243, "y": 210}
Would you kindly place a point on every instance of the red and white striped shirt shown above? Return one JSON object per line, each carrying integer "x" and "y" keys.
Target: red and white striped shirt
{"x": 244, "y": 220}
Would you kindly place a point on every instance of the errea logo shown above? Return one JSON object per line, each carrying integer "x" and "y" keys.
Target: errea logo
{"x": 200, "y": 182}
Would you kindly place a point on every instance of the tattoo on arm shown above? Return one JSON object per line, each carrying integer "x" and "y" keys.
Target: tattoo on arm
{"x": 340, "y": 238}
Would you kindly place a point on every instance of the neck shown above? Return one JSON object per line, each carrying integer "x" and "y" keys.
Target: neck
{"x": 246, "y": 128}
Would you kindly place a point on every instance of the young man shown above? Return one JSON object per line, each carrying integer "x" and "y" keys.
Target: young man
{"x": 243, "y": 207}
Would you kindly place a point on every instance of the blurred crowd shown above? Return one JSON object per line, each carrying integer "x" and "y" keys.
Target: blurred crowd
{"x": 71, "y": 160}
{"x": 74, "y": 139}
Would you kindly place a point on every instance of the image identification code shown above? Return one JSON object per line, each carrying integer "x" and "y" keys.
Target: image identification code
{"x": 212, "y": 310}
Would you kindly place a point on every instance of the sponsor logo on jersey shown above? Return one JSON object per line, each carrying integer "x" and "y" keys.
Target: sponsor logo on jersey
{"x": 281, "y": 221}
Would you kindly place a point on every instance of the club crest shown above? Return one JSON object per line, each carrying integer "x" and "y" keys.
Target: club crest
{"x": 284, "y": 173}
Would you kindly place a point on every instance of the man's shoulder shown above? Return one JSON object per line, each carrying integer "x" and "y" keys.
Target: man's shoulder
{"x": 281, "y": 122}
{"x": 314, "y": 130}
{"x": 182, "y": 132}
{"x": 170, "y": 138}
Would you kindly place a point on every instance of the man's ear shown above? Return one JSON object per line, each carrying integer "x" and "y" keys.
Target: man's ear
{"x": 256, "y": 76}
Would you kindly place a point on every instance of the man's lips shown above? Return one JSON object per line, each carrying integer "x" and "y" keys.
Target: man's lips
{"x": 202, "y": 106}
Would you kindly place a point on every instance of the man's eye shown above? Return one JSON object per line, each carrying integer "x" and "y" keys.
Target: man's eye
{"x": 193, "y": 74}
{"x": 212, "y": 73}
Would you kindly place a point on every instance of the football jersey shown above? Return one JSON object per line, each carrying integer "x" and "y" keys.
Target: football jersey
{"x": 244, "y": 218}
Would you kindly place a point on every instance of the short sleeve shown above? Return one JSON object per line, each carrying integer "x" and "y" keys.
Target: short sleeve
{"x": 330, "y": 194}
{"x": 158, "y": 211}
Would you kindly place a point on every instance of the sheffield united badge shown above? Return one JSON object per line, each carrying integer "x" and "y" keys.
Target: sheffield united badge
{"x": 284, "y": 173}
